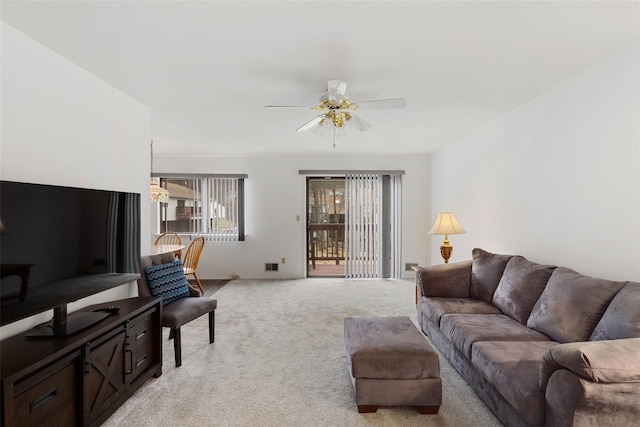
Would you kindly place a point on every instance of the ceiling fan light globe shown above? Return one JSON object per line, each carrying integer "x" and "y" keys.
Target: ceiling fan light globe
{"x": 341, "y": 132}
{"x": 336, "y": 90}
{"x": 326, "y": 124}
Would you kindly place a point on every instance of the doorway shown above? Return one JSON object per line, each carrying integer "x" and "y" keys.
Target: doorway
{"x": 354, "y": 225}
{"x": 326, "y": 226}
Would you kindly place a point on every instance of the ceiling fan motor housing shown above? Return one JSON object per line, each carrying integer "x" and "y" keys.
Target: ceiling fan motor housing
{"x": 339, "y": 118}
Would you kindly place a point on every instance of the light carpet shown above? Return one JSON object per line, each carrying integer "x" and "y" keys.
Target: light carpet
{"x": 279, "y": 360}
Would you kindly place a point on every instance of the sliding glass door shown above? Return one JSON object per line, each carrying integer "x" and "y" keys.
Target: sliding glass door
{"x": 373, "y": 225}
{"x": 354, "y": 226}
{"x": 325, "y": 227}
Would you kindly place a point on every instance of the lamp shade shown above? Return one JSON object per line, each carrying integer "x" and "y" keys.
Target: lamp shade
{"x": 157, "y": 193}
{"x": 446, "y": 223}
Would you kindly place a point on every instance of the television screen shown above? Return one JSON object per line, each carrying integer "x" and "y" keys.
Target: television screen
{"x": 59, "y": 244}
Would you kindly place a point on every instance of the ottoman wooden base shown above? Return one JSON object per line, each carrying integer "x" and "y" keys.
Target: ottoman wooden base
{"x": 391, "y": 364}
{"x": 371, "y": 409}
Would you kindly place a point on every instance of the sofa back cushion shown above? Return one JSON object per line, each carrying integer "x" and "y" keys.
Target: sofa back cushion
{"x": 520, "y": 287}
{"x": 486, "y": 271}
{"x": 571, "y": 305}
{"x": 622, "y": 317}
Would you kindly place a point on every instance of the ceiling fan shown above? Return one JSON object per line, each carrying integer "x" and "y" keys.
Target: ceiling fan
{"x": 338, "y": 110}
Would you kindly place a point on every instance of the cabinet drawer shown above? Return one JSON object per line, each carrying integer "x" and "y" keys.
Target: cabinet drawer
{"x": 141, "y": 359}
{"x": 141, "y": 333}
{"x": 46, "y": 398}
{"x": 64, "y": 417}
{"x": 140, "y": 347}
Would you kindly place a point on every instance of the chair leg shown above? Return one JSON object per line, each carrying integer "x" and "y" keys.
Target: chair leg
{"x": 212, "y": 326}
{"x": 177, "y": 347}
{"x": 199, "y": 284}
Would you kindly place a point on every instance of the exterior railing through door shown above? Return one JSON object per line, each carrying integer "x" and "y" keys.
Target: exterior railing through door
{"x": 326, "y": 243}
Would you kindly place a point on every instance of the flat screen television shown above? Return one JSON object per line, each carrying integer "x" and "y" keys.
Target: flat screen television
{"x": 60, "y": 244}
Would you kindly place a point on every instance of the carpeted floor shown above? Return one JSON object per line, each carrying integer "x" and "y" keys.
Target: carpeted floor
{"x": 279, "y": 360}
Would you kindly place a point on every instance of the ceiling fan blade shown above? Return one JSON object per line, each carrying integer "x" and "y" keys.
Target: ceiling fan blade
{"x": 358, "y": 123}
{"x": 383, "y": 103}
{"x": 311, "y": 123}
{"x": 289, "y": 106}
{"x": 336, "y": 90}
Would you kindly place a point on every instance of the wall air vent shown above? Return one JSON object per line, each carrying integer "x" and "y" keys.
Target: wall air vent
{"x": 271, "y": 266}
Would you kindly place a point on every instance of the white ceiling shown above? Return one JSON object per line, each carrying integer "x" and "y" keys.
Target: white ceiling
{"x": 207, "y": 68}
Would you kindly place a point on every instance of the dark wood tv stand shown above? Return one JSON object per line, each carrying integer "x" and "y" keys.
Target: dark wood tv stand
{"x": 81, "y": 379}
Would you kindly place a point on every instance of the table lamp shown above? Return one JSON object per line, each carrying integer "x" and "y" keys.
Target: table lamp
{"x": 446, "y": 223}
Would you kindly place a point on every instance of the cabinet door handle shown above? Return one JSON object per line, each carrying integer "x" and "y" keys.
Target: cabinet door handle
{"x": 130, "y": 370}
{"x": 33, "y": 406}
{"x": 141, "y": 334}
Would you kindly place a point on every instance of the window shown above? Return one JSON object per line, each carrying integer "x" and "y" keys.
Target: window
{"x": 211, "y": 206}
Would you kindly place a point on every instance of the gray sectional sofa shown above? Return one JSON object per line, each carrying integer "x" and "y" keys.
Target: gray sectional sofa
{"x": 540, "y": 344}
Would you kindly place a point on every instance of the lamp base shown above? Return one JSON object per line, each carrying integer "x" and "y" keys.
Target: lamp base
{"x": 446, "y": 250}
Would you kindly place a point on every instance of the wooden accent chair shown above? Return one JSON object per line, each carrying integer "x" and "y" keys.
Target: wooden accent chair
{"x": 182, "y": 311}
{"x": 192, "y": 258}
{"x": 170, "y": 239}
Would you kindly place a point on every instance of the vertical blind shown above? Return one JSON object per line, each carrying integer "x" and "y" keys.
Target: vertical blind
{"x": 373, "y": 225}
{"x": 363, "y": 194}
{"x": 395, "y": 218}
{"x": 216, "y": 199}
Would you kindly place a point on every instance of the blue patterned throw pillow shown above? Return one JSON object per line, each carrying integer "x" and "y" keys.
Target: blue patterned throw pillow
{"x": 167, "y": 281}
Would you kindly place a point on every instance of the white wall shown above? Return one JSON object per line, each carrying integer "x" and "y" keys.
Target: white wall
{"x": 557, "y": 180}
{"x": 62, "y": 125}
{"x": 275, "y": 196}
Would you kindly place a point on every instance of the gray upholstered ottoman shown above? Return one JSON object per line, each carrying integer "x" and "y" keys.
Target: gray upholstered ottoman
{"x": 391, "y": 364}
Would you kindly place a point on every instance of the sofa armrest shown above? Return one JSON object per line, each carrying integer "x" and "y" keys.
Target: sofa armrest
{"x": 610, "y": 361}
{"x": 571, "y": 400}
{"x": 451, "y": 280}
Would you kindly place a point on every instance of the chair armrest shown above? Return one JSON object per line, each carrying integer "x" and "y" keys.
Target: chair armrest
{"x": 451, "y": 280}
{"x": 609, "y": 361}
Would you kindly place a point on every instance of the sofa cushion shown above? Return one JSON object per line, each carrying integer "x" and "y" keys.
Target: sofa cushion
{"x": 434, "y": 308}
{"x": 464, "y": 330}
{"x": 520, "y": 287}
{"x": 513, "y": 369}
{"x": 571, "y": 305}
{"x": 167, "y": 281}
{"x": 486, "y": 271}
{"x": 622, "y": 317}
